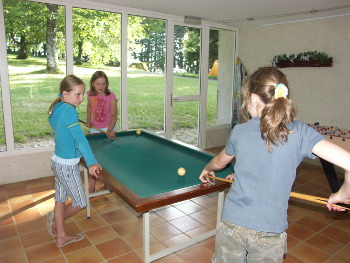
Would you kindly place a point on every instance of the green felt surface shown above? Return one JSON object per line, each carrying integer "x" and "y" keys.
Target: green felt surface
{"x": 147, "y": 164}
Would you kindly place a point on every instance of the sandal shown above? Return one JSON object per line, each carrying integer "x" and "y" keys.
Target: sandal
{"x": 81, "y": 237}
{"x": 49, "y": 223}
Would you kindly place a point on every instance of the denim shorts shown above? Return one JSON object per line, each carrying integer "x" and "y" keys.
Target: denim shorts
{"x": 242, "y": 245}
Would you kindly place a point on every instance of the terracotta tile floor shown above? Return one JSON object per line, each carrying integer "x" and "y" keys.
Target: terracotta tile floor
{"x": 114, "y": 231}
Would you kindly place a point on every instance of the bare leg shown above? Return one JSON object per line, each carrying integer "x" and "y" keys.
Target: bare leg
{"x": 63, "y": 212}
{"x": 92, "y": 181}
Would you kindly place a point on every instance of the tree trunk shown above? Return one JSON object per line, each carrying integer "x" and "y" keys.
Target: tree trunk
{"x": 23, "y": 54}
{"x": 51, "y": 39}
{"x": 78, "y": 59}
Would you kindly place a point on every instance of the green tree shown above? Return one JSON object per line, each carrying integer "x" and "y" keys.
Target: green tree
{"x": 179, "y": 34}
{"x": 153, "y": 43}
{"x": 24, "y": 24}
{"x": 135, "y": 33}
{"x": 213, "y": 46}
{"x": 191, "y": 45}
{"x": 96, "y": 36}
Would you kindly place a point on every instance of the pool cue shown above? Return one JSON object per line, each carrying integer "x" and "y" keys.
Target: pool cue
{"x": 310, "y": 198}
{"x": 220, "y": 179}
{"x": 98, "y": 129}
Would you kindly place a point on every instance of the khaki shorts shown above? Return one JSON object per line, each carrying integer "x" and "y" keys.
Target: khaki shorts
{"x": 240, "y": 245}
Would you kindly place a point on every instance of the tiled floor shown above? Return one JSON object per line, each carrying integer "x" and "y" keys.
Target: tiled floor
{"x": 114, "y": 231}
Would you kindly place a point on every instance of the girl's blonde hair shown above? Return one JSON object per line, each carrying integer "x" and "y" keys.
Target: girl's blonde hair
{"x": 98, "y": 74}
{"x": 276, "y": 112}
{"x": 67, "y": 84}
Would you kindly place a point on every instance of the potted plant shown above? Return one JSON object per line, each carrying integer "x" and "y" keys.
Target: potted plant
{"x": 305, "y": 59}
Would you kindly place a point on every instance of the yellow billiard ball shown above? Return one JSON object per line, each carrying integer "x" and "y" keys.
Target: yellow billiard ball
{"x": 181, "y": 171}
{"x": 138, "y": 132}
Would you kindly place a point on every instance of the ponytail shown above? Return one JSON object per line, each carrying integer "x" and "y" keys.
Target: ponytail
{"x": 274, "y": 118}
{"x": 58, "y": 99}
{"x": 270, "y": 84}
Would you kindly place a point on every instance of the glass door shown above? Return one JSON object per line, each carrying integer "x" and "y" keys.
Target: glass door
{"x": 186, "y": 84}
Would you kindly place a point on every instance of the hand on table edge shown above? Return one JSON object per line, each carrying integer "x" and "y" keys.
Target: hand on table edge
{"x": 95, "y": 169}
{"x": 88, "y": 124}
{"x": 230, "y": 177}
{"x": 204, "y": 179}
{"x": 110, "y": 135}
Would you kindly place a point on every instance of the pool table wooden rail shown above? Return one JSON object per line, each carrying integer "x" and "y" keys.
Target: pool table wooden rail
{"x": 141, "y": 205}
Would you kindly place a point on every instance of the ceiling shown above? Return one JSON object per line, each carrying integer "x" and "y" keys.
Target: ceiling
{"x": 242, "y": 12}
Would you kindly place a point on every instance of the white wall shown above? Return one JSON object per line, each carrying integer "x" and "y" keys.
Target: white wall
{"x": 25, "y": 165}
{"x": 225, "y": 75}
{"x": 217, "y": 135}
{"x": 320, "y": 94}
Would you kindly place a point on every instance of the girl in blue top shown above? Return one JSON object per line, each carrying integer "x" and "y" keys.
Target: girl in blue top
{"x": 268, "y": 148}
{"x": 70, "y": 145}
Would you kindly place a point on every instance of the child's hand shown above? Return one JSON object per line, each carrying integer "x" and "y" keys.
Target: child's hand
{"x": 230, "y": 176}
{"x": 205, "y": 179}
{"x": 95, "y": 169}
{"x": 89, "y": 124}
{"x": 110, "y": 135}
{"x": 336, "y": 198}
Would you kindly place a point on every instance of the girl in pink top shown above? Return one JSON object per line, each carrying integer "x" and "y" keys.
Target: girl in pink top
{"x": 102, "y": 110}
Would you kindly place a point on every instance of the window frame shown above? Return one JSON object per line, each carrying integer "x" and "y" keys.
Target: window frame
{"x": 171, "y": 20}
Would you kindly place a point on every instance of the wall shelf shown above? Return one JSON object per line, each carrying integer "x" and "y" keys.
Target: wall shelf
{"x": 311, "y": 63}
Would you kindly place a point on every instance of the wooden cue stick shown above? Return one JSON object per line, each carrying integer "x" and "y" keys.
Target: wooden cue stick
{"x": 98, "y": 129}
{"x": 310, "y": 198}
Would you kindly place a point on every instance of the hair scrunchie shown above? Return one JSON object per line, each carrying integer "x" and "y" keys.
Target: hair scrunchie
{"x": 59, "y": 95}
{"x": 281, "y": 90}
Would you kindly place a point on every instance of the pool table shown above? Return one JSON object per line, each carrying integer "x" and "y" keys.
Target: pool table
{"x": 142, "y": 170}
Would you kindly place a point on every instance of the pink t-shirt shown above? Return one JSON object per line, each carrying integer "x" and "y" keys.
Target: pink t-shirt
{"x": 101, "y": 109}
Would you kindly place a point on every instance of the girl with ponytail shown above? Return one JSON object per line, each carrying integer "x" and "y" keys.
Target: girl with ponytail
{"x": 268, "y": 148}
{"x": 70, "y": 145}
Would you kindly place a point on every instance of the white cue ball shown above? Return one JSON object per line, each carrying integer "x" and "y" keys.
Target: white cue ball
{"x": 138, "y": 132}
{"x": 181, "y": 171}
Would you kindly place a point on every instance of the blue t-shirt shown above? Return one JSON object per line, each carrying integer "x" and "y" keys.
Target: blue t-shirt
{"x": 70, "y": 141}
{"x": 258, "y": 198}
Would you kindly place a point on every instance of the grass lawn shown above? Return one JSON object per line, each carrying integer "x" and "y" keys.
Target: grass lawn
{"x": 32, "y": 91}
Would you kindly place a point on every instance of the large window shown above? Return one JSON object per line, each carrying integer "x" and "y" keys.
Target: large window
{"x": 96, "y": 43}
{"x": 42, "y": 49}
{"x": 36, "y": 64}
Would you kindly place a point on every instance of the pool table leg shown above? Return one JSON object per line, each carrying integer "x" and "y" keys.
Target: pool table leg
{"x": 86, "y": 183}
{"x": 88, "y": 195}
{"x": 147, "y": 257}
{"x": 146, "y": 241}
{"x": 221, "y": 199}
{"x": 331, "y": 175}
